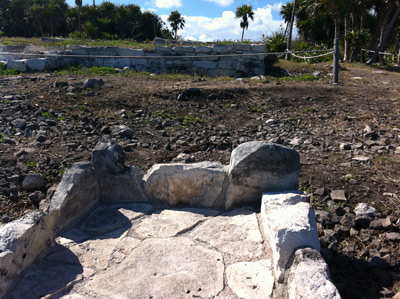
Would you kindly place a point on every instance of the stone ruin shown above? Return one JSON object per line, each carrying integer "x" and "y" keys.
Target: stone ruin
{"x": 259, "y": 173}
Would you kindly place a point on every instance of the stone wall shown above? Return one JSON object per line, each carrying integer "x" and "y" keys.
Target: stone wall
{"x": 235, "y": 60}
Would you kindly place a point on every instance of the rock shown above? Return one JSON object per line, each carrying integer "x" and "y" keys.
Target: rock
{"x": 271, "y": 122}
{"x": 338, "y": 195}
{"x": 41, "y": 138}
{"x": 309, "y": 277}
{"x": 181, "y": 97}
{"x": 258, "y": 167}
{"x": 92, "y": 83}
{"x": 362, "y": 222}
{"x": 163, "y": 268}
{"x": 18, "y": 65}
{"x": 19, "y": 123}
{"x": 376, "y": 224}
{"x": 289, "y": 223}
{"x": 123, "y": 131}
{"x": 236, "y": 234}
{"x": 344, "y": 146}
{"x": 21, "y": 243}
{"x": 393, "y": 237}
{"x": 320, "y": 191}
{"x": 36, "y": 197}
{"x": 251, "y": 280}
{"x": 33, "y": 181}
{"x": 362, "y": 209}
{"x": 361, "y": 159}
{"x": 169, "y": 223}
{"x": 76, "y": 194}
{"x": 193, "y": 91}
{"x": 198, "y": 184}
{"x": 108, "y": 157}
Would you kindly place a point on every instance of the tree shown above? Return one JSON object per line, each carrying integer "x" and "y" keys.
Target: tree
{"x": 79, "y": 4}
{"x": 176, "y": 21}
{"x": 244, "y": 12}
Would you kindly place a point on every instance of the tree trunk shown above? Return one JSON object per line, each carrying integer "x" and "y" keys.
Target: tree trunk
{"x": 346, "y": 43}
{"x": 289, "y": 41}
{"x": 242, "y": 33}
{"x": 79, "y": 18}
{"x": 385, "y": 36}
{"x": 94, "y": 3}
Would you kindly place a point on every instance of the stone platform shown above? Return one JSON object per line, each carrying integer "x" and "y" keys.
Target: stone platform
{"x": 145, "y": 251}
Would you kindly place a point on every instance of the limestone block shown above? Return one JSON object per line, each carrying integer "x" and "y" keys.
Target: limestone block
{"x": 258, "y": 48}
{"x": 258, "y": 167}
{"x": 138, "y": 61}
{"x": 198, "y": 184}
{"x": 242, "y": 47}
{"x": 309, "y": 277}
{"x": 205, "y": 64}
{"x": 110, "y": 63}
{"x": 21, "y": 243}
{"x": 76, "y": 194}
{"x": 203, "y": 50}
{"x": 183, "y": 49}
{"x": 40, "y": 64}
{"x": 251, "y": 280}
{"x": 230, "y": 64}
{"x": 289, "y": 223}
{"x": 163, "y": 268}
{"x": 162, "y": 50}
{"x": 18, "y": 65}
{"x": 130, "y": 52}
{"x": 222, "y": 48}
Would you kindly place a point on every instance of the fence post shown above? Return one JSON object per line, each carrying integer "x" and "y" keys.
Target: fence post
{"x": 336, "y": 57}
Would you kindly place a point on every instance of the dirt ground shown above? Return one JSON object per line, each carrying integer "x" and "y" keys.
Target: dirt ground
{"x": 346, "y": 135}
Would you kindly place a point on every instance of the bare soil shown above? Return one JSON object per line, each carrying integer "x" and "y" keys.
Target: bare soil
{"x": 315, "y": 118}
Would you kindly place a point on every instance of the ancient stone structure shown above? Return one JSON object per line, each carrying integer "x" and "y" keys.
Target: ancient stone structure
{"x": 219, "y": 60}
{"x": 107, "y": 218}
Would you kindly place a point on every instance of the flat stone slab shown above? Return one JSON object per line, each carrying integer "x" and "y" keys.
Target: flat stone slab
{"x": 171, "y": 253}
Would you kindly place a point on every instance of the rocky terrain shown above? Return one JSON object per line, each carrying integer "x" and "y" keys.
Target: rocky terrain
{"x": 347, "y": 137}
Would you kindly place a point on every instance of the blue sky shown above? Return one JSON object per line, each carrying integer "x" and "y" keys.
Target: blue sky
{"x": 209, "y": 20}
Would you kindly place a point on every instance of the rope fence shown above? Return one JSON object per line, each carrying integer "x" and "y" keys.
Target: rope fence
{"x": 381, "y": 53}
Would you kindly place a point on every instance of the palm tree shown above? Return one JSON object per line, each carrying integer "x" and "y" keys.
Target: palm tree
{"x": 176, "y": 21}
{"x": 79, "y": 4}
{"x": 244, "y": 12}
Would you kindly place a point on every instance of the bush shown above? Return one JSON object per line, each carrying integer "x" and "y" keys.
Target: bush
{"x": 276, "y": 42}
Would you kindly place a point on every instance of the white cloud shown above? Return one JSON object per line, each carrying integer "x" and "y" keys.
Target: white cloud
{"x": 227, "y": 27}
{"x": 167, "y": 3}
{"x": 222, "y": 3}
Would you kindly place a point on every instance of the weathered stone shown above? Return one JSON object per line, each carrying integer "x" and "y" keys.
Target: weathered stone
{"x": 40, "y": 64}
{"x": 289, "y": 223}
{"x": 309, "y": 277}
{"x": 338, "y": 195}
{"x": 169, "y": 223}
{"x": 198, "y": 184}
{"x": 108, "y": 157}
{"x": 106, "y": 218}
{"x": 251, "y": 280}
{"x": 92, "y": 83}
{"x": 75, "y": 196}
{"x": 18, "y": 65}
{"x": 21, "y": 243}
{"x": 123, "y": 131}
{"x": 202, "y": 49}
{"x": 258, "y": 48}
{"x": 222, "y": 48}
{"x": 205, "y": 64}
{"x": 258, "y": 167}
{"x": 362, "y": 209}
{"x": 33, "y": 181}
{"x": 163, "y": 268}
{"x": 236, "y": 234}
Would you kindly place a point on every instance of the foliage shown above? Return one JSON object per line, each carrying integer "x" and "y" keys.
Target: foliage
{"x": 276, "y": 42}
{"x": 30, "y": 18}
{"x": 176, "y": 21}
{"x": 7, "y": 72}
{"x": 357, "y": 39}
{"x": 244, "y": 12}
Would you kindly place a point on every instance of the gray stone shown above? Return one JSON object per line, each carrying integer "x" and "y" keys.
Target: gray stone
{"x": 76, "y": 194}
{"x": 202, "y": 49}
{"x": 163, "y": 268}
{"x": 338, "y": 195}
{"x": 183, "y": 49}
{"x": 123, "y": 131}
{"x": 18, "y": 65}
{"x": 242, "y": 47}
{"x": 205, "y": 64}
{"x": 21, "y": 243}
{"x": 40, "y": 64}
{"x": 362, "y": 209}
{"x": 108, "y": 157}
{"x": 92, "y": 83}
{"x": 236, "y": 234}
{"x": 169, "y": 223}
{"x": 289, "y": 223}
{"x": 258, "y": 167}
{"x": 33, "y": 181}
{"x": 198, "y": 184}
{"x": 19, "y": 123}
{"x": 258, "y": 48}
{"x": 36, "y": 197}
{"x": 222, "y": 48}
{"x": 309, "y": 277}
{"x": 251, "y": 280}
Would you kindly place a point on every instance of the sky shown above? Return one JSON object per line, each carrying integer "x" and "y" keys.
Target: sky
{"x": 211, "y": 20}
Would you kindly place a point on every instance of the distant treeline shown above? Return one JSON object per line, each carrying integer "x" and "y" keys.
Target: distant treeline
{"x": 36, "y": 18}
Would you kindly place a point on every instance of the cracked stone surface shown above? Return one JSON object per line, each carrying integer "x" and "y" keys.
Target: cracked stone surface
{"x": 141, "y": 251}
